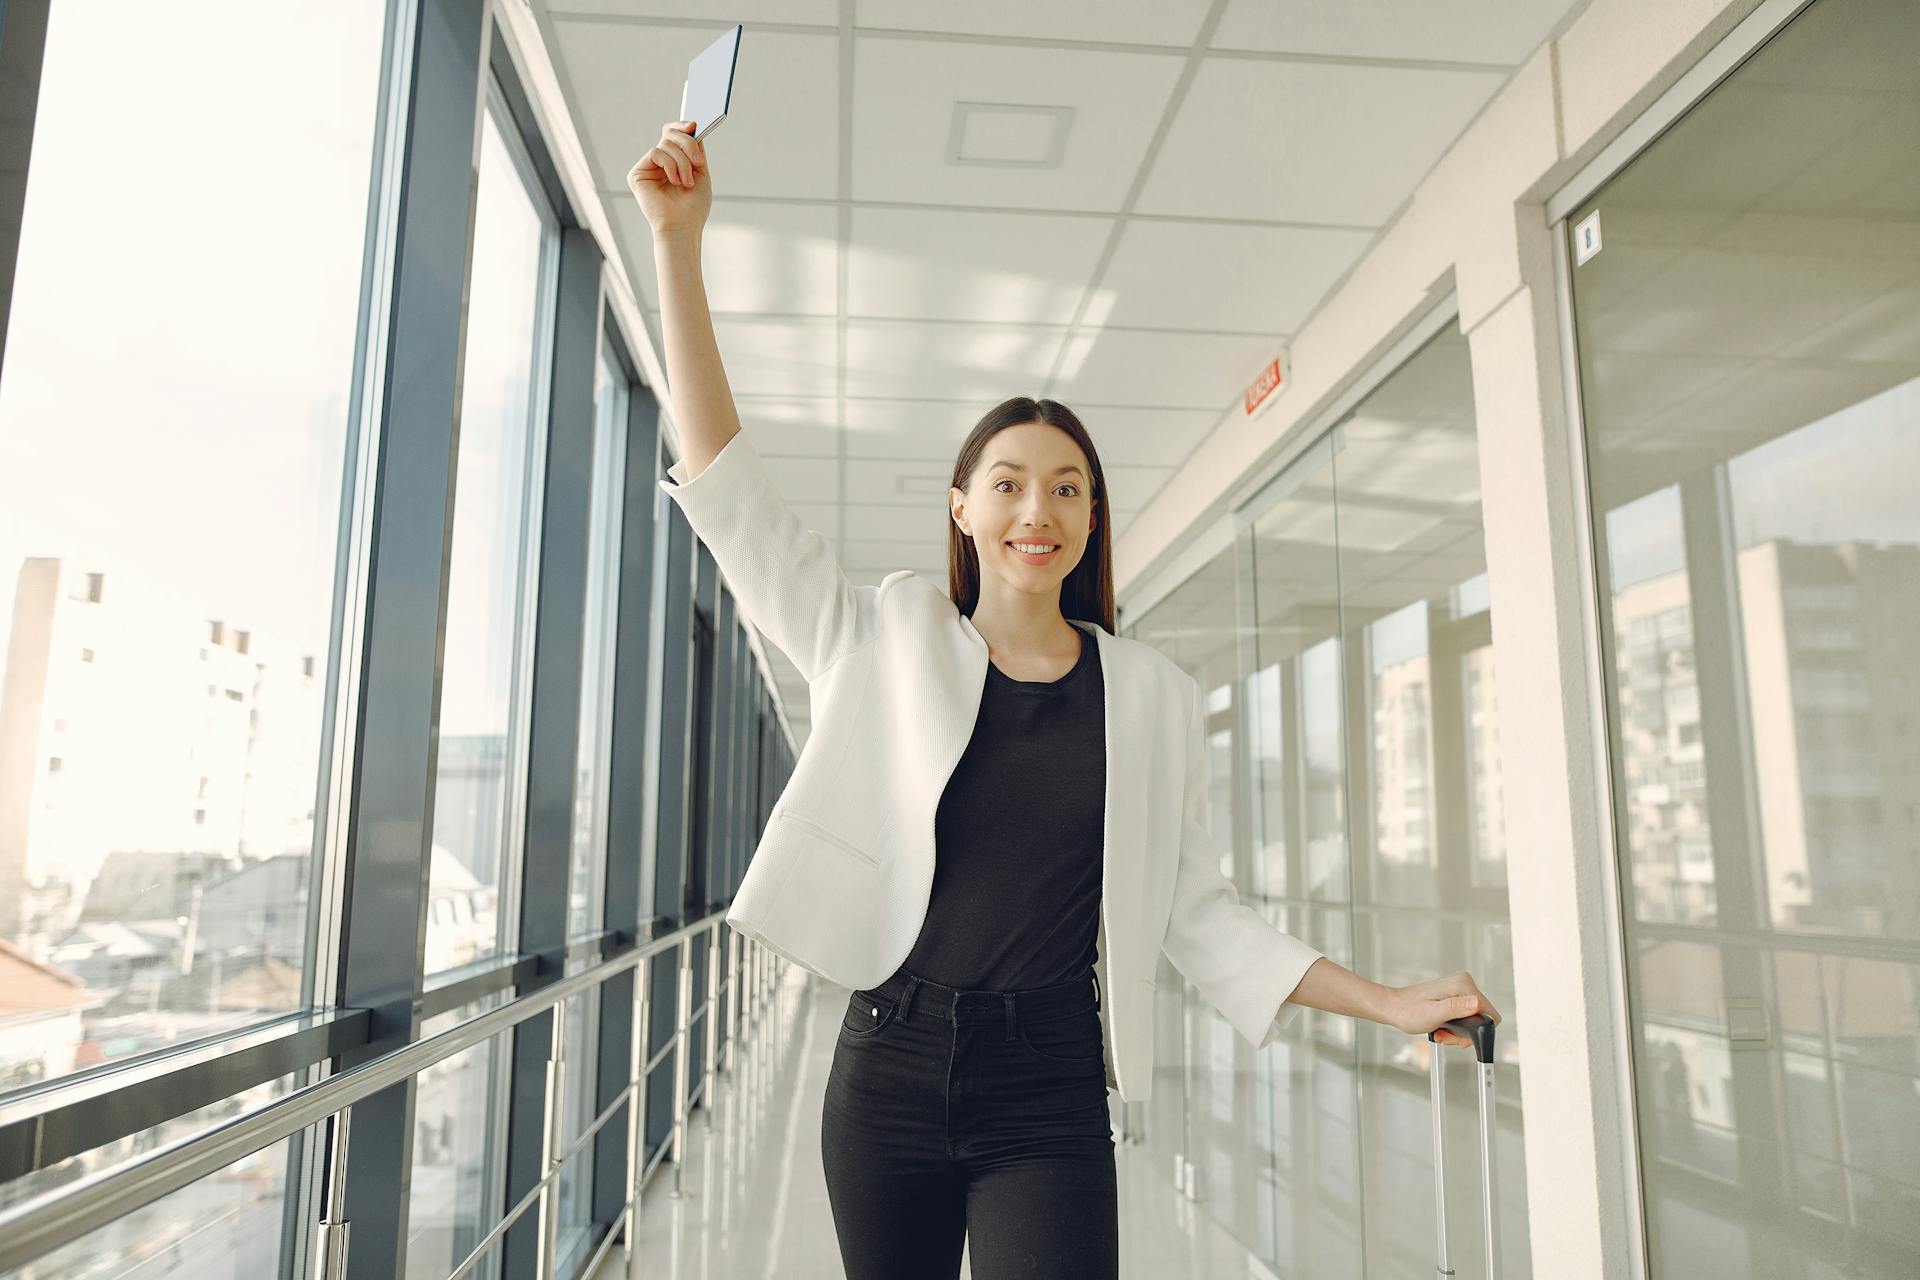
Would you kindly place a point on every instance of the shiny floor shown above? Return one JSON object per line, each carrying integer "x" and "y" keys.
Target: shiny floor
{"x": 755, "y": 1202}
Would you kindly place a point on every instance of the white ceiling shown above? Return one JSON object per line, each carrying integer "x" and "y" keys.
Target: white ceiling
{"x": 922, "y": 208}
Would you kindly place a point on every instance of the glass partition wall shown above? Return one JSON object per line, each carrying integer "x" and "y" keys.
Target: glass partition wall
{"x": 1343, "y": 644}
{"x": 1748, "y": 345}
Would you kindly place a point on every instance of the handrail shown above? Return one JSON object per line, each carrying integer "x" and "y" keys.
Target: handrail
{"x": 50, "y": 1122}
{"x": 40, "y": 1225}
{"x": 45, "y": 1123}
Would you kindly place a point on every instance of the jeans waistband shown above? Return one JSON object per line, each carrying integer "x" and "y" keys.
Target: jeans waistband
{"x": 908, "y": 991}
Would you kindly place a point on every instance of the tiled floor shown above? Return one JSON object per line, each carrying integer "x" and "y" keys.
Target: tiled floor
{"x": 756, "y": 1206}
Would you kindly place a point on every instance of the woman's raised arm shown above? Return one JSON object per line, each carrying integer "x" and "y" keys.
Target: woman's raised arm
{"x": 783, "y": 575}
{"x": 675, "y": 191}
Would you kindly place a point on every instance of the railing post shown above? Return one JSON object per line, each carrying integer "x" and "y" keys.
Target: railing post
{"x": 730, "y": 1048}
{"x": 743, "y": 1011}
{"x": 683, "y": 1011}
{"x": 330, "y": 1243}
{"x": 550, "y": 1146}
{"x": 637, "y": 1111}
{"x": 762, "y": 984}
{"x": 710, "y": 1074}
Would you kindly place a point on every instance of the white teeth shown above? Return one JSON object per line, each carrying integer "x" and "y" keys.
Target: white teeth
{"x": 1030, "y": 548}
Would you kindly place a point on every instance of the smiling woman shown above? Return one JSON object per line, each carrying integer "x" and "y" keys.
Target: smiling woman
{"x": 1028, "y": 488}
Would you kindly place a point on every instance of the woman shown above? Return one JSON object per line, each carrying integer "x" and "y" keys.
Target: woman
{"x": 1061, "y": 773}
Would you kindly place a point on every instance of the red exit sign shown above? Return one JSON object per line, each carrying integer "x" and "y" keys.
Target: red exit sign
{"x": 1263, "y": 387}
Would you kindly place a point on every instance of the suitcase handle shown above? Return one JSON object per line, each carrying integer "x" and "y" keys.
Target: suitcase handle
{"x": 1477, "y": 1027}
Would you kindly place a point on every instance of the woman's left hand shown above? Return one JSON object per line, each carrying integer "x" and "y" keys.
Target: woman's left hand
{"x": 1424, "y": 1006}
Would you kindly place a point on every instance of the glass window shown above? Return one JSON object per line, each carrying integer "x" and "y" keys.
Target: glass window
{"x": 1429, "y": 888}
{"x": 93, "y": 1161}
{"x": 453, "y": 1199}
{"x": 229, "y": 1225}
{"x": 1749, "y": 354}
{"x": 1345, "y": 648}
{"x": 577, "y": 1113}
{"x": 476, "y": 827}
{"x": 173, "y": 422}
{"x": 590, "y": 793}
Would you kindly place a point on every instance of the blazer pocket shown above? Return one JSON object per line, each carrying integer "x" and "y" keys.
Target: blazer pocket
{"x": 814, "y": 829}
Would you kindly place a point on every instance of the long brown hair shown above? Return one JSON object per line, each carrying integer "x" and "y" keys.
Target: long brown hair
{"x": 1087, "y": 594}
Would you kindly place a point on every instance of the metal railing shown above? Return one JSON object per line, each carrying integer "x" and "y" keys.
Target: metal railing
{"x": 37, "y": 1227}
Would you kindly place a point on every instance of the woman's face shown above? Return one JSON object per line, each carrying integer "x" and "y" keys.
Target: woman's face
{"x": 1033, "y": 486}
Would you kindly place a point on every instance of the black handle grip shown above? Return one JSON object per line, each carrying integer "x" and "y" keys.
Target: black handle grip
{"x": 1477, "y": 1027}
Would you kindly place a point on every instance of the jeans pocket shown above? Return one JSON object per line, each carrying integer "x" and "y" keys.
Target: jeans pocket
{"x": 865, "y": 1015}
{"x": 1074, "y": 1038}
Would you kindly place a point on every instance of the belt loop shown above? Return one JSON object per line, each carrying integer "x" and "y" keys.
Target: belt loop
{"x": 906, "y": 995}
{"x": 1009, "y": 999}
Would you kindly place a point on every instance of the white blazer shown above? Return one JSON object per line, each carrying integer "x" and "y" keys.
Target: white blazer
{"x": 839, "y": 881}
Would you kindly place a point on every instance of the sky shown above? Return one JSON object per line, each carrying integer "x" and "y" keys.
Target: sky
{"x": 179, "y": 351}
{"x": 173, "y": 403}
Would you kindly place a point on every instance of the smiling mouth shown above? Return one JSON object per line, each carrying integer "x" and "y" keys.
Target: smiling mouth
{"x": 1030, "y": 557}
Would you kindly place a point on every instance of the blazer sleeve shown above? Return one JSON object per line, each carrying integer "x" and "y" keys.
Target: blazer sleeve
{"x": 1242, "y": 965}
{"x": 783, "y": 576}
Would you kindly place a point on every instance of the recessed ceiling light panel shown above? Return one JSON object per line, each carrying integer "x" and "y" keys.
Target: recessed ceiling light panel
{"x": 1008, "y": 135}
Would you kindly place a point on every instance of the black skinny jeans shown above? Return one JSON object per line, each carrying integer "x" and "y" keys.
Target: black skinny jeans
{"x": 981, "y": 1114}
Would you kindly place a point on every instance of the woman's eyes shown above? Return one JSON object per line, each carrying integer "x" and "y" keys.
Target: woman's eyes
{"x": 998, "y": 483}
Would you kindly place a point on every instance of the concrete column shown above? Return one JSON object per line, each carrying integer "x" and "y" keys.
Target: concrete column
{"x": 1582, "y": 1191}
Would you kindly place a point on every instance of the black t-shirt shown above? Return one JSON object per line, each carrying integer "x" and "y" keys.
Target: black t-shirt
{"x": 1019, "y": 836}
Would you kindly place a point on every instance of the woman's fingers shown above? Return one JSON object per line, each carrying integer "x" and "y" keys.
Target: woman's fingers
{"x": 672, "y": 161}
{"x": 656, "y": 159}
{"x": 685, "y": 152}
{"x": 1483, "y": 1005}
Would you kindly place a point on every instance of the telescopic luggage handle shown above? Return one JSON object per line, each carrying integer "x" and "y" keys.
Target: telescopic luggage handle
{"x": 1479, "y": 1029}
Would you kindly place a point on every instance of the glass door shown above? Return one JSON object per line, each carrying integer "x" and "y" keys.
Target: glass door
{"x": 1749, "y": 359}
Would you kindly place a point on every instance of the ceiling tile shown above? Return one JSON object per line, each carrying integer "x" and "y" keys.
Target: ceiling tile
{"x": 822, "y": 12}
{"x": 888, "y": 482}
{"x": 756, "y": 257}
{"x": 1163, "y": 22}
{"x": 789, "y": 425}
{"x": 1277, "y": 140}
{"x": 1198, "y": 275}
{"x": 905, "y": 95}
{"x": 948, "y": 361}
{"x": 1148, "y": 437}
{"x": 920, "y": 524}
{"x": 1438, "y": 30}
{"x": 929, "y": 429}
{"x": 777, "y": 357}
{"x": 1152, "y": 367}
{"x": 964, "y": 265}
